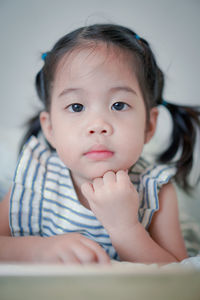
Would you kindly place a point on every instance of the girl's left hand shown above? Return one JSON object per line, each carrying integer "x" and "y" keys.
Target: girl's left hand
{"x": 114, "y": 201}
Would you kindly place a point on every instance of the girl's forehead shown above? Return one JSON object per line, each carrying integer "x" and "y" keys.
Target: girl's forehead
{"x": 91, "y": 57}
{"x": 96, "y": 69}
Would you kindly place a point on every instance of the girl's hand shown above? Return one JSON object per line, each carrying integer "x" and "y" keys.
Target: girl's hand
{"x": 71, "y": 248}
{"x": 114, "y": 201}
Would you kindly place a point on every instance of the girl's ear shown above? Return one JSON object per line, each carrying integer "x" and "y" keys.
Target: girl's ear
{"x": 46, "y": 125}
{"x": 152, "y": 124}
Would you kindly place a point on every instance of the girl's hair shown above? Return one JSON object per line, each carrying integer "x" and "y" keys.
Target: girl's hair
{"x": 150, "y": 78}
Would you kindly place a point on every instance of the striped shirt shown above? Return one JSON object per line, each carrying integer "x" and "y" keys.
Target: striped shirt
{"x": 44, "y": 202}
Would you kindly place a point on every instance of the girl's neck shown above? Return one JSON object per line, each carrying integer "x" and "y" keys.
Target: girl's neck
{"x": 81, "y": 198}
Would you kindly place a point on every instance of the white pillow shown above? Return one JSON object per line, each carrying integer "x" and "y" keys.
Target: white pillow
{"x": 9, "y": 147}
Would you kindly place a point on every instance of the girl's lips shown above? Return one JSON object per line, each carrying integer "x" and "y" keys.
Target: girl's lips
{"x": 99, "y": 154}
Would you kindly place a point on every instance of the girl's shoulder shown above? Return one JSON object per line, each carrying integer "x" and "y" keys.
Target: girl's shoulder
{"x": 35, "y": 160}
{"x": 144, "y": 171}
{"x": 148, "y": 179}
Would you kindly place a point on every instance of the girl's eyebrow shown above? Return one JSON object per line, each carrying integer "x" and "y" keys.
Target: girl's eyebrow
{"x": 68, "y": 91}
{"x": 123, "y": 89}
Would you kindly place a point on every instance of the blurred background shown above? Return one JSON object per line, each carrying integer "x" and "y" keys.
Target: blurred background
{"x": 29, "y": 28}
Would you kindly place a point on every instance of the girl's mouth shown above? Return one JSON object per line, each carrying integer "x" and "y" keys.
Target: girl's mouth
{"x": 98, "y": 152}
{"x": 99, "y": 155}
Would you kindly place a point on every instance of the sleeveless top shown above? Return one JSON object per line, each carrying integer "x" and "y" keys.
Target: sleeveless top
{"x": 44, "y": 202}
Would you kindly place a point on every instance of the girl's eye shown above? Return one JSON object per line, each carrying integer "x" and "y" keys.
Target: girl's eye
{"x": 76, "y": 107}
{"x": 120, "y": 106}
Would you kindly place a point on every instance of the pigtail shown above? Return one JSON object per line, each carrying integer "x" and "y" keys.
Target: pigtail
{"x": 34, "y": 128}
{"x": 33, "y": 125}
{"x": 186, "y": 122}
{"x": 40, "y": 86}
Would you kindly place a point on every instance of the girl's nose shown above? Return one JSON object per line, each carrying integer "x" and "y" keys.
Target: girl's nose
{"x": 100, "y": 127}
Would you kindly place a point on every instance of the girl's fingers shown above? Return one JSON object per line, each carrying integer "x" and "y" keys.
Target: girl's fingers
{"x": 85, "y": 253}
{"x": 109, "y": 177}
{"x": 122, "y": 176}
{"x": 69, "y": 257}
{"x": 97, "y": 183}
{"x": 87, "y": 189}
{"x": 100, "y": 254}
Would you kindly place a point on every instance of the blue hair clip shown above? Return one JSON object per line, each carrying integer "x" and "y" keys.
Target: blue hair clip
{"x": 164, "y": 103}
{"x": 137, "y": 37}
{"x": 43, "y": 56}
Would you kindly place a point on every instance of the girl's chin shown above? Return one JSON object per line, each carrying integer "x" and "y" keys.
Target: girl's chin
{"x": 100, "y": 174}
{"x": 90, "y": 175}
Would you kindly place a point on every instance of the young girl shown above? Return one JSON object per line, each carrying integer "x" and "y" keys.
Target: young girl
{"x": 83, "y": 194}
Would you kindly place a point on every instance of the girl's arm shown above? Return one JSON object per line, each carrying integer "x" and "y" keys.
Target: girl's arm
{"x": 4, "y": 216}
{"x": 66, "y": 248}
{"x": 163, "y": 243}
{"x": 165, "y": 227}
{"x": 115, "y": 203}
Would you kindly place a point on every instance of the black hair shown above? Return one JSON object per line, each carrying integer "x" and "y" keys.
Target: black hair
{"x": 186, "y": 122}
{"x": 150, "y": 78}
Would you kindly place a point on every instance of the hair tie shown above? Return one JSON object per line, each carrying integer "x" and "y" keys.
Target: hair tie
{"x": 164, "y": 103}
{"x": 44, "y": 55}
{"x": 137, "y": 37}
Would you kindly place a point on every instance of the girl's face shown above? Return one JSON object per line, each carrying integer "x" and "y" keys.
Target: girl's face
{"x": 97, "y": 120}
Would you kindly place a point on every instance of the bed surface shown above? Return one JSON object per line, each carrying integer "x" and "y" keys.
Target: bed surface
{"x": 118, "y": 281}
